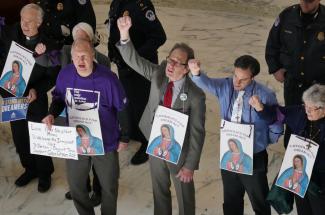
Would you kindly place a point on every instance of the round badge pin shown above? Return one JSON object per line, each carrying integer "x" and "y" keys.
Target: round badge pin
{"x": 183, "y": 96}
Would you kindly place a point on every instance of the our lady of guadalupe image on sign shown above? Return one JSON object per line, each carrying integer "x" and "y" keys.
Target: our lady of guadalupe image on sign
{"x": 165, "y": 146}
{"x": 87, "y": 144}
{"x": 235, "y": 159}
{"x": 295, "y": 178}
{"x": 13, "y": 80}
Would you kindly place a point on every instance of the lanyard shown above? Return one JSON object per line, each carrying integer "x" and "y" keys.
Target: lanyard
{"x": 229, "y": 109}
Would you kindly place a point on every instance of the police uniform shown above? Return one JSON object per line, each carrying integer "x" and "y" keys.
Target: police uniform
{"x": 67, "y": 13}
{"x": 296, "y": 43}
{"x": 147, "y": 36}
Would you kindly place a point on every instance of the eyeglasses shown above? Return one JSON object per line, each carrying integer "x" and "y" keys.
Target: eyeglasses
{"x": 311, "y": 109}
{"x": 175, "y": 63}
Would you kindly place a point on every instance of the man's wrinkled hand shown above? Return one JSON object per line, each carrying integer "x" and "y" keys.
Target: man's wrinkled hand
{"x": 280, "y": 75}
{"x": 185, "y": 175}
{"x": 122, "y": 146}
{"x": 32, "y": 95}
{"x": 40, "y": 48}
{"x": 49, "y": 121}
{"x": 124, "y": 23}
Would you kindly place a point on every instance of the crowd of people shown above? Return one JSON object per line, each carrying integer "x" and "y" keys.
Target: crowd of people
{"x": 62, "y": 36}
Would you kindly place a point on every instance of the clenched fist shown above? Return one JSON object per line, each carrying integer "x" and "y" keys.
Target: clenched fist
{"x": 124, "y": 23}
{"x": 194, "y": 66}
{"x": 254, "y": 101}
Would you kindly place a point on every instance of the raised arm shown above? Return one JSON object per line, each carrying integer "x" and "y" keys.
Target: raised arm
{"x": 128, "y": 52}
{"x": 211, "y": 85}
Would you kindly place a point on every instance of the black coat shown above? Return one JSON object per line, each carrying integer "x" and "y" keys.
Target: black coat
{"x": 147, "y": 33}
{"x": 299, "y": 47}
{"x": 43, "y": 76}
{"x": 67, "y": 13}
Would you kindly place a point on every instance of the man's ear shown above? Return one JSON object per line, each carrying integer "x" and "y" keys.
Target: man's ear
{"x": 187, "y": 70}
{"x": 39, "y": 24}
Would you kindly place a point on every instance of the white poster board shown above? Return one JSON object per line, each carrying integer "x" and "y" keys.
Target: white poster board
{"x": 167, "y": 134}
{"x": 17, "y": 70}
{"x": 297, "y": 165}
{"x": 236, "y": 147}
{"x": 58, "y": 142}
{"x": 82, "y": 106}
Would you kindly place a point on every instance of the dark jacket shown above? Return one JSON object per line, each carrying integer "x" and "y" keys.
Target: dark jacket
{"x": 146, "y": 32}
{"x": 298, "y": 46}
{"x": 67, "y": 13}
{"x": 43, "y": 75}
{"x": 296, "y": 119}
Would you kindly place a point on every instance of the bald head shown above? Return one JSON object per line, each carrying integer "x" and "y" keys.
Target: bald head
{"x": 83, "y": 53}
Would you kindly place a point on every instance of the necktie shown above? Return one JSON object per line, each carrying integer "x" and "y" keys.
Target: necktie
{"x": 169, "y": 95}
{"x": 237, "y": 109}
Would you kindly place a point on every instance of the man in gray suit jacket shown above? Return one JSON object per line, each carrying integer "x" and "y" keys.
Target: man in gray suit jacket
{"x": 187, "y": 98}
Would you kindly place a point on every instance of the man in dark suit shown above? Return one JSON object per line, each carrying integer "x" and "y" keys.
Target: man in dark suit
{"x": 170, "y": 77}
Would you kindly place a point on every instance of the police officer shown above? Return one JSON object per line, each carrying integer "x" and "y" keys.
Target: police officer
{"x": 295, "y": 50}
{"x": 147, "y": 36}
{"x": 62, "y": 15}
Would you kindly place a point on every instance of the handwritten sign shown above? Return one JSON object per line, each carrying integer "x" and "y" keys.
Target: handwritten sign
{"x": 59, "y": 142}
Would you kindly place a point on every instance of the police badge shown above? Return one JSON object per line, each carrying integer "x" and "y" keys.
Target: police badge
{"x": 150, "y": 15}
{"x": 59, "y": 6}
{"x": 321, "y": 36}
{"x": 126, "y": 13}
{"x": 82, "y": 2}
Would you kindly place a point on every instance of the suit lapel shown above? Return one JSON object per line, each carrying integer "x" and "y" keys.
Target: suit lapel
{"x": 163, "y": 89}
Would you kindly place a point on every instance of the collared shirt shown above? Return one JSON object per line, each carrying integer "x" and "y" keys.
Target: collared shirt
{"x": 178, "y": 85}
{"x": 223, "y": 89}
{"x": 177, "y": 88}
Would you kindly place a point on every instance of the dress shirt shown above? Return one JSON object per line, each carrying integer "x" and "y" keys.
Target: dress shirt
{"x": 223, "y": 89}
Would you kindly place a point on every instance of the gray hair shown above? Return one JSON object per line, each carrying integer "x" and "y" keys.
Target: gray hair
{"x": 86, "y": 28}
{"x": 315, "y": 95}
{"x": 184, "y": 48}
{"x": 82, "y": 41}
{"x": 35, "y": 7}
